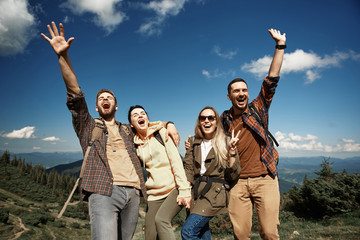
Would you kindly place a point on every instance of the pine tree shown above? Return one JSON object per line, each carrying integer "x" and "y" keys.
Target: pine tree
{"x": 327, "y": 195}
{"x": 5, "y": 158}
{"x": 15, "y": 162}
{"x": 326, "y": 170}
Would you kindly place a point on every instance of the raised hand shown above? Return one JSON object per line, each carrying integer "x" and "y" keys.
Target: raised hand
{"x": 233, "y": 141}
{"x": 279, "y": 38}
{"x": 58, "y": 41}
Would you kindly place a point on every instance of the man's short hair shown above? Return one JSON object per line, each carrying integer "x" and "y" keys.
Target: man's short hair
{"x": 234, "y": 81}
{"x": 107, "y": 91}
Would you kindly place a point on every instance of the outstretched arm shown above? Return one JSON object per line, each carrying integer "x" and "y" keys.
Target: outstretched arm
{"x": 61, "y": 47}
{"x": 280, "y": 39}
{"x": 172, "y": 132}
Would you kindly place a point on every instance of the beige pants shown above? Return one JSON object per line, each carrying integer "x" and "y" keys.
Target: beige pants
{"x": 261, "y": 192}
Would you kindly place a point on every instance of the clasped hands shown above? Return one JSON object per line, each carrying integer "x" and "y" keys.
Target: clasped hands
{"x": 185, "y": 201}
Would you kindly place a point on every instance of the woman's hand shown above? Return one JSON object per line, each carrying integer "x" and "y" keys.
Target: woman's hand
{"x": 233, "y": 141}
{"x": 187, "y": 143}
{"x": 185, "y": 201}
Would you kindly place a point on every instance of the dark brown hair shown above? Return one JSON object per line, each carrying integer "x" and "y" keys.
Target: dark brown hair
{"x": 234, "y": 81}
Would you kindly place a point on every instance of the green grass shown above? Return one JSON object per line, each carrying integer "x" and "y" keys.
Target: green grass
{"x": 345, "y": 226}
{"x": 25, "y": 211}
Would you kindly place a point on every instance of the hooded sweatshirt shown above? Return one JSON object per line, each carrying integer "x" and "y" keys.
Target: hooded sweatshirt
{"x": 163, "y": 163}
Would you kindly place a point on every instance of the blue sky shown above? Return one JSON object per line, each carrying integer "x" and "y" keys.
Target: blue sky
{"x": 174, "y": 58}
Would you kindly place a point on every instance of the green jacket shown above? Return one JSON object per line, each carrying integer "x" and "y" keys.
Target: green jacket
{"x": 215, "y": 200}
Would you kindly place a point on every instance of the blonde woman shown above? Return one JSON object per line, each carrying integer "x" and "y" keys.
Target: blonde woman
{"x": 210, "y": 163}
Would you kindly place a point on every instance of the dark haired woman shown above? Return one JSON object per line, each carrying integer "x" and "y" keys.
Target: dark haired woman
{"x": 166, "y": 183}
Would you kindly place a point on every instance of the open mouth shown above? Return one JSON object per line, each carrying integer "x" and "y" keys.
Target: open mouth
{"x": 141, "y": 122}
{"x": 207, "y": 126}
{"x": 106, "y": 105}
{"x": 241, "y": 100}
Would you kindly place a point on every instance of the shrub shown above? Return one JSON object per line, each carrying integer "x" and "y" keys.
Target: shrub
{"x": 221, "y": 224}
{"x": 4, "y": 215}
{"x": 75, "y": 225}
{"x": 328, "y": 195}
{"x": 34, "y": 218}
{"x": 60, "y": 224}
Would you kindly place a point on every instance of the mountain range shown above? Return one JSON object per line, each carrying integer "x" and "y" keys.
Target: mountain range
{"x": 292, "y": 170}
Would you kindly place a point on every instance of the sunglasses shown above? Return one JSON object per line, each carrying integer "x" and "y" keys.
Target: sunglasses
{"x": 210, "y": 117}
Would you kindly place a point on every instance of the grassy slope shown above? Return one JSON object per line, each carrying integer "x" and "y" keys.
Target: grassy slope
{"x": 21, "y": 205}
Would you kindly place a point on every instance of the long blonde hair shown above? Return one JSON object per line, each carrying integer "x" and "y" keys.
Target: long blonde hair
{"x": 218, "y": 142}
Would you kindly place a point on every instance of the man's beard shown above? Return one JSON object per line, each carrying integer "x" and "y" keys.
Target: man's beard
{"x": 107, "y": 115}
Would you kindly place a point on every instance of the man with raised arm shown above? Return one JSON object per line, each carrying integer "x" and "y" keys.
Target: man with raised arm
{"x": 257, "y": 185}
{"x": 113, "y": 175}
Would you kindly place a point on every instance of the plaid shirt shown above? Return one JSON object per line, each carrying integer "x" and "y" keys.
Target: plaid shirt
{"x": 269, "y": 155}
{"x": 97, "y": 174}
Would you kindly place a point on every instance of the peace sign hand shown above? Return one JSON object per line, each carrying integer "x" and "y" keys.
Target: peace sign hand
{"x": 233, "y": 141}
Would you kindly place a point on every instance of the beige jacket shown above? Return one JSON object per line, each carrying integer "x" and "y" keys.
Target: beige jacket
{"x": 163, "y": 163}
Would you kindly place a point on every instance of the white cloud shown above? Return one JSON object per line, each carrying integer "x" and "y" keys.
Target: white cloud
{"x": 298, "y": 138}
{"x": 217, "y": 74}
{"x": 68, "y": 19}
{"x": 107, "y": 13}
{"x": 24, "y": 133}
{"x": 290, "y": 141}
{"x": 226, "y": 55}
{"x": 347, "y": 140}
{"x": 301, "y": 61}
{"x": 51, "y": 139}
{"x": 163, "y": 9}
{"x": 206, "y": 73}
{"x": 17, "y": 26}
{"x": 36, "y": 148}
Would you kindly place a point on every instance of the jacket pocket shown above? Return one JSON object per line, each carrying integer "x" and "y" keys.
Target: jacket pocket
{"x": 217, "y": 195}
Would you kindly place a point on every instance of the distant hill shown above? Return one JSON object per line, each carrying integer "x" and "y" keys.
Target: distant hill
{"x": 292, "y": 170}
{"x": 295, "y": 169}
{"x": 70, "y": 168}
{"x": 48, "y": 159}
{"x": 74, "y": 169}
{"x": 351, "y": 164}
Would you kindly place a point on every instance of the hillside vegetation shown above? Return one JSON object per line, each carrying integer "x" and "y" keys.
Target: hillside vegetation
{"x": 326, "y": 207}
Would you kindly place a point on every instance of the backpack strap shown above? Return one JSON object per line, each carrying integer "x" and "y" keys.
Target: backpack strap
{"x": 254, "y": 112}
{"x": 158, "y": 137}
{"x": 95, "y": 135}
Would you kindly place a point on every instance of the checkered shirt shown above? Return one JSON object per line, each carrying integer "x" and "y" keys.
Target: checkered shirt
{"x": 269, "y": 155}
{"x": 97, "y": 176}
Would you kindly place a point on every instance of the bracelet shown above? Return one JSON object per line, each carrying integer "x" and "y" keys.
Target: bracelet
{"x": 280, "y": 46}
{"x": 233, "y": 155}
{"x": 168, "y": 123}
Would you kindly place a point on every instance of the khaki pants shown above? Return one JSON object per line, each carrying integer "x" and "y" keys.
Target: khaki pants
{"x": 261, "y": 192}
{"x": 159, "y": 215}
